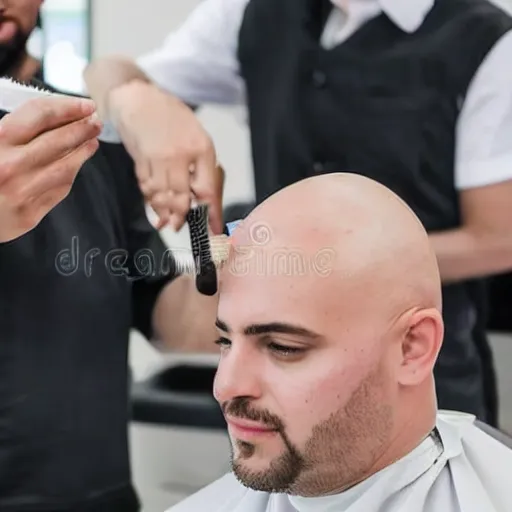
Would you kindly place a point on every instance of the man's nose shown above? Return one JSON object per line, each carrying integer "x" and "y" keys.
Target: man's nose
{"x": 238, "y": 375}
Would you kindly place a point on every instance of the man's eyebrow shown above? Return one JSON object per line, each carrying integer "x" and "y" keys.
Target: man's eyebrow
{"x": 270, "y": 328}
{"x": 221, "y": 325}
{"x": 280, "y": 328}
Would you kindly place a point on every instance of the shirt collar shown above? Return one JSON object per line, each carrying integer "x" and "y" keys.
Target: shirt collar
{"x": 406, "y": 14}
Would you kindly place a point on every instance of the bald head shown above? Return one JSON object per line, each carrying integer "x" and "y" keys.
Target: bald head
{"x": 345, "y": 227}
{"x": 330, "y": 310}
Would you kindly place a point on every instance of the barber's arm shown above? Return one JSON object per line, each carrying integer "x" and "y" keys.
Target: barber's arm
{"x": 166, "y": 307}
{"x": 483, "y": 244}
{"x": 183, "y": 319}
{"x": 147, "y": 101}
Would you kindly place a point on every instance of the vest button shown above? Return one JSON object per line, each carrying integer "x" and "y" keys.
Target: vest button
{"x": 319, "y": 78}
{"x": 318, "y": 167}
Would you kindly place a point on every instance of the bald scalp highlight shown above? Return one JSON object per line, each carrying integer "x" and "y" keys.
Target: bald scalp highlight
{"x": 382, "y": 251}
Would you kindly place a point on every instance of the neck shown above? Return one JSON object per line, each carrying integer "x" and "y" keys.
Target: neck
{"x": 410, "y": 435}
{"x": 26, "y": 68}
{"x": 412, "y": 429}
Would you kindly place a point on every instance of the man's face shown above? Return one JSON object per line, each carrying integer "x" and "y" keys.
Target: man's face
{"x": 304, "y": 379}
{"x": 17, "y": 21}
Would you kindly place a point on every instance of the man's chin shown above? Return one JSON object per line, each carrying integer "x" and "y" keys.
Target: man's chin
{"x": 275, "y": 474}
{"x": 255, "y": 478}
{"x": 253, "y": 464}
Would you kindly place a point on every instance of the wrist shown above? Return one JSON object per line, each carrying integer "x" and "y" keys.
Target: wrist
{"x": 120, "y": 96}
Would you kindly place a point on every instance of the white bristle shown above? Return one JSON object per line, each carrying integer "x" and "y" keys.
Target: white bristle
{"x": 14, "y": 94}
{"x": 219, "y": 246}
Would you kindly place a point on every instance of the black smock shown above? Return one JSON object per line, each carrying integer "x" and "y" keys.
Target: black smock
{"x": 71, "y": 290}
{"x": 384, "y": 103}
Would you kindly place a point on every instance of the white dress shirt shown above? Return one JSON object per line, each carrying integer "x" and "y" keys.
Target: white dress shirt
{"x": 470, "y": 473}
{"x": 198, "y": 63}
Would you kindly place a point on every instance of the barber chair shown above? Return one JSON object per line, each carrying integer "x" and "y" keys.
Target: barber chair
{"x": 237, "y": 211}
{"x": 500, "y": 436}
{"x": 179, "y": 394}
{"x": 178, "y": 436}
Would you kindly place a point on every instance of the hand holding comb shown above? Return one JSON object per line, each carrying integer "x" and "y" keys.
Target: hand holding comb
{"x": 14, "y": 94}
{"x": 207, "y": 253}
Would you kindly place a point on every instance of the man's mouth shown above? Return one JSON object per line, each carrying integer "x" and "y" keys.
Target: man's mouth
{"x": 244, "y": 429}
{"x": 8, "y": 29}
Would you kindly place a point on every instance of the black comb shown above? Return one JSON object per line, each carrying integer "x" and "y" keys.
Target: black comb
{"x": 206, "y": 273}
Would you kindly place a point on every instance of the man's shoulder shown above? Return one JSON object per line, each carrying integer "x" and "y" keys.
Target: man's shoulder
{"x": 222, "y": 495}
{"x": 480, "y": 461}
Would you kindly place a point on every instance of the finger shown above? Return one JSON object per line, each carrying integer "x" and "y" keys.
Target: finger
{"x": 208, "y": 186}
{"x": 158, "y": 172}
{"x": 41, "y": 115}
{"x": 162, "y": 222}
{"x": 58, "y": 175}
{"x": 49, "y": 147}
{"x": 159, "y": 203}
{"x": 170, "y": 189}
{"x": 56, "y": 144}
{"x": 179, "y": 193}
{"x": 143, "y": 173}
{"x": 43, "y": 204}
{"x": 155, "y": 187}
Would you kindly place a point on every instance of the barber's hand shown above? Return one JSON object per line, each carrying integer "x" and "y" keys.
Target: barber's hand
{"x": 43, "y": 145}
{"x": 174, "y": 156}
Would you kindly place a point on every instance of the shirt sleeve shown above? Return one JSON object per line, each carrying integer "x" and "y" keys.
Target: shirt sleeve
{"x": 484, "y": 131}
{"x": 150, "y": 264}
{"x": 198, "y": 63}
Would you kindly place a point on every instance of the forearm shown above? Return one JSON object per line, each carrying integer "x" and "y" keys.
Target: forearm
{"x": 184, "y": 320}
{"x": 104, "y": 75}
{"x": 466, "y": 254}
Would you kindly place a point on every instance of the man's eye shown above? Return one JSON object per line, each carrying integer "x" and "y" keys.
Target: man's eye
{"x": 283, "y": 350}
{"x": 223, "y": 342}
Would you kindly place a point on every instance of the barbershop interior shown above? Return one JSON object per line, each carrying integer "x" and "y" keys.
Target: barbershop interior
{"x": 267, "y": 266}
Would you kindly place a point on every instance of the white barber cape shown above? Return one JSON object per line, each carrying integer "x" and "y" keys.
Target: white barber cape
{"x": 472, "y": 472}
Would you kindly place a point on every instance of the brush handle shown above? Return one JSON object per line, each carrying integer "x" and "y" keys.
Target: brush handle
{"x": 206, "y": 280}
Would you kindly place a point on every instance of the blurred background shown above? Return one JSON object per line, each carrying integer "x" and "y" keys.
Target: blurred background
{"x": 170, "y": 462}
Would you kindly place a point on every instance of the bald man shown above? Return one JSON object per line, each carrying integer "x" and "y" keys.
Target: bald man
{"x": 330, "y": 324}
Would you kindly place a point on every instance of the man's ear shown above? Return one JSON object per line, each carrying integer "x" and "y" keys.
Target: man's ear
{"x": 420, "y": 346}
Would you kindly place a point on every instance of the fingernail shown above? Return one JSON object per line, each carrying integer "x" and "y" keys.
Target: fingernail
{"x": 174, "y": 222}
{"x": 151, "y": 215}
{"x": 88, "y": 107}
{"x": 95, "y": 120}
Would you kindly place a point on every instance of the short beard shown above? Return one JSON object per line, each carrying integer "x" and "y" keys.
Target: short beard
{"x": 339, "y": 453}
{"x": 281, "y": 474}
{"x": 11, "y": 53}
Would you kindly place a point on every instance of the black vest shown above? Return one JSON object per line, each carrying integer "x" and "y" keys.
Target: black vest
{"x": 384, "y": 103}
